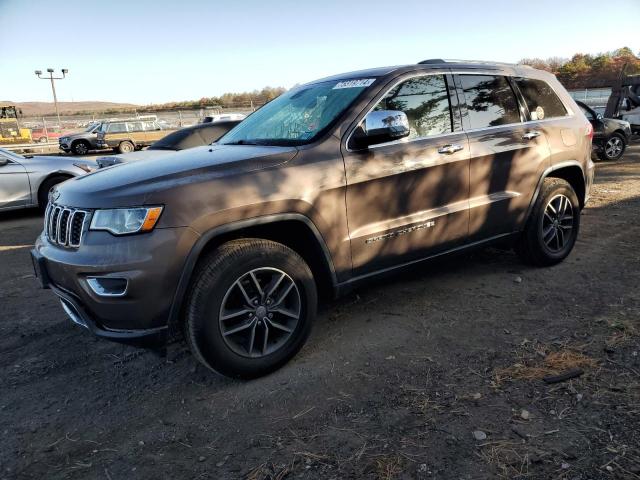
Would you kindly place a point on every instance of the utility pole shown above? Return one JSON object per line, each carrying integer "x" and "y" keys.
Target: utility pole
{"x": 53, "y": 86}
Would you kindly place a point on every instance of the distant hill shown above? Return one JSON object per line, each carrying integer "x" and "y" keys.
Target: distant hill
{"x": 38, "y": 109}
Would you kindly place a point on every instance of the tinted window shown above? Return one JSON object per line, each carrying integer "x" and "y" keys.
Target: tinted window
{"x": 538, "y": 94}
{"x": 490, "y": 101}
{"x": 117, "y": 128}
{"x": 425, "y": 102}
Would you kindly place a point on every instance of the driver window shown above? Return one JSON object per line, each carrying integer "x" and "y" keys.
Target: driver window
{"x": 425, "y": 101}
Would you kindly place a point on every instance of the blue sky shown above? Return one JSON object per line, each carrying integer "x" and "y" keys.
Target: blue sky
{"x": 154, "y": 51}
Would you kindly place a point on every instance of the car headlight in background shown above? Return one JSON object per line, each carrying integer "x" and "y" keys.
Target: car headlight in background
{"x": 123, "y": 221}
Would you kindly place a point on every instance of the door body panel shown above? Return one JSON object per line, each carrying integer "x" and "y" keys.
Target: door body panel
{"x": 15, "y": 190}
{"x": 504, "y": 170}
{"x": 406, "y": 200}
{"x": 506, "y": 161}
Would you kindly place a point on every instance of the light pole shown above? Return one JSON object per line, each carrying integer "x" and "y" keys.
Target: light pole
{"x": 53, "y": 86}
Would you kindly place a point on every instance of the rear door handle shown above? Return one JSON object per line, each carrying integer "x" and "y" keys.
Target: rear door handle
{"x": 449, "y": 149}
{"x": 531, "y": 135}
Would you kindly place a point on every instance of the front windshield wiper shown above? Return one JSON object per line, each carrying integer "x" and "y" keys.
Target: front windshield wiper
{"x": 243, "y": 142}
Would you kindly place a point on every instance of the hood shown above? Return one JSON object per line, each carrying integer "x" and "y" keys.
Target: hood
{"x": 131, "y": 183}
{"x": 56, "y": 161}
{"x": 73, "y": 136}
{"x": 133, "y": 157}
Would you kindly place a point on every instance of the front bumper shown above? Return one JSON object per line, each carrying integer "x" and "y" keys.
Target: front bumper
{"x": 151, "y": 263}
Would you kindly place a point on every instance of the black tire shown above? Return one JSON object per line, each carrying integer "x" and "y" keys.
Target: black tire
{"x": 531, "y": 246}
{"x": 126, "y": 147}
{"x": 80, "y": 147}
{"x": 613, "y": 148}
{"x": 45, "y": 187}
{"x": 214, "y": 281}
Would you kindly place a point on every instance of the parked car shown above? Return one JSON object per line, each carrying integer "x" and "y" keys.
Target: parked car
{"x": 25, "y": 181}
{"x": 81, "y": 143}
{"x": 188, "y": 137}
{"x": 332, "y": 183}
{"x": 225, "y": 117}
{"x": 610, "y": 136}
{"x": 125, "y": 136}
{"x": 42, "y": 135}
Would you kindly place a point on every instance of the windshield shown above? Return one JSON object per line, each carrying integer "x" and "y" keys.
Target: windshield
{"x": 298, "y": 116}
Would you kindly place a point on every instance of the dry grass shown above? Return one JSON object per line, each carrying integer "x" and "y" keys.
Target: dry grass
{"x": 388, "y": 467}
{"x": 510, "y": 459}
{"x": 624, "y": 332}
{"x": 268, "y": 471}
{"x": 553, "y": 363}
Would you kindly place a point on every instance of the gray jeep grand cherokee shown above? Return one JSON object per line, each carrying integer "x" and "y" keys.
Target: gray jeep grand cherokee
{"x": 330, "y": 184}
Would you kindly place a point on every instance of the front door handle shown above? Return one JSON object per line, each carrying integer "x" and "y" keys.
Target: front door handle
{"x": 449, "y": 149}
{"x": 531, "y": 135}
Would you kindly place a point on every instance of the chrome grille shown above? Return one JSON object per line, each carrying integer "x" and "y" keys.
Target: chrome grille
{"x": 65, "y": 226}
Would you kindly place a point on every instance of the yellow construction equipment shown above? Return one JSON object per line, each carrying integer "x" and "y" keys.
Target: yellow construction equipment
{"x": 10, "y": 131}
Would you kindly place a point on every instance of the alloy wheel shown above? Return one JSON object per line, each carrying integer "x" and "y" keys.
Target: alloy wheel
{"x": 613, "y": 147}
{"x": 81, "y": 149}
{"x": 260, "y": 312}
{"x": 557, "y": 223}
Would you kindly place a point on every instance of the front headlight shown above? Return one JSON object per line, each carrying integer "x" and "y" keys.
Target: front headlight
{"x": 123, "y": 221}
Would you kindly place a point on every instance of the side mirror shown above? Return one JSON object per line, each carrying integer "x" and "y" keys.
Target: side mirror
{"x": 599, "y": 116}
{"x": 381, "y": 126}
{"x": 3, "y": 161}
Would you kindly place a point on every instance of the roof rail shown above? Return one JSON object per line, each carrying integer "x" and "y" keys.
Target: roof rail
{"x": 479, "y": 62}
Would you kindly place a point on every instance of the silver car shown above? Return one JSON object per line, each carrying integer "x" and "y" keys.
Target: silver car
{"x": 25, "y": 181}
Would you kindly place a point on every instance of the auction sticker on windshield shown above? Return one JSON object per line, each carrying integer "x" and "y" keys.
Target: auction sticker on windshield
{"x": 362, "y": 82}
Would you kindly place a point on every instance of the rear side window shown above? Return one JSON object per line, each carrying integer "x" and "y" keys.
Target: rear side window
{"x": 117, "y": 128}
{"x": 135, "y": 126}
{"x": 425, "y": 101}
{"x": 541, "y": 99}
{"x": 490, "y": 101}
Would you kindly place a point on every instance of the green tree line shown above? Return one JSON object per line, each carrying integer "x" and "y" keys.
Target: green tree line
{"x": 589, "y": 71}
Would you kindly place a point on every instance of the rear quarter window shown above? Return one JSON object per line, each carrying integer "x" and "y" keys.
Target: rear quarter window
{"x": 540, "y": 97}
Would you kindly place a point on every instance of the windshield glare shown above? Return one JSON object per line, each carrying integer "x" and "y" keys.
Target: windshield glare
{"x": 298, "y": 116}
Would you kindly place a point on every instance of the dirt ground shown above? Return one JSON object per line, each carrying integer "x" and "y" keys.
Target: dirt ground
{"x": 433, "y": 374}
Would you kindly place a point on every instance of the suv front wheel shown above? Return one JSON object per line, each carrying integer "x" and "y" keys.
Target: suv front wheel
{"x": 251, "y": 307}
{"x": 552, "y": 227}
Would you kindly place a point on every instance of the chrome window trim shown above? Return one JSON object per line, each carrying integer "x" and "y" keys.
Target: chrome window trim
{"x": 442, "y": 73}
{"x": 570, "y": 112}
{"x": 407, "y": 141}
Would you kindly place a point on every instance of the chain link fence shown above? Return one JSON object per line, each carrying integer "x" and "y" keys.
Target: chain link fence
{"x": 48, "y": 129}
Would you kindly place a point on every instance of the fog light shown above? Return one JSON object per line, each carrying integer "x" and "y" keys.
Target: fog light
{"x": 108, "y": 286}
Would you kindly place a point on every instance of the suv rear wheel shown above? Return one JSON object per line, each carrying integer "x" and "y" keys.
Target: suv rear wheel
{"x": 552, "y": 227}
{"x": 613, "y": 148}
{"x": 126, "y": 147}
{"x": 251, "y": 307}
